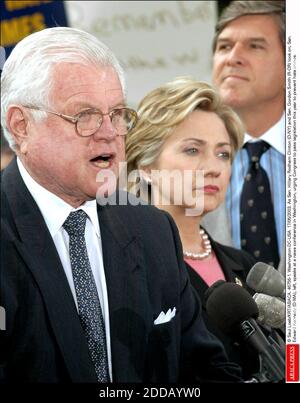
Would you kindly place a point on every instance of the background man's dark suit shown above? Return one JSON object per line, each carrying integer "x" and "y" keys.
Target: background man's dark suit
{"x": 145, "y": 274}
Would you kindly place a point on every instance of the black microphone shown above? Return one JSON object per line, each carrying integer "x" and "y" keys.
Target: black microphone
{"x": 265, "y": 279}
{"x": 234, "y": 311}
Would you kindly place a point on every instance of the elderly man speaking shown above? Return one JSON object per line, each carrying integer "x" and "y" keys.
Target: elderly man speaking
{"x": 91, "y": 293}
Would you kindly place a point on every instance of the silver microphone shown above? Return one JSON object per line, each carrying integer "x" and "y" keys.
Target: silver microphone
{"x": 271, "y": 311}
{"x": 263, "y": 278}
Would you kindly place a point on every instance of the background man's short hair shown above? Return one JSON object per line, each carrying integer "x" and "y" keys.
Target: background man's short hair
{"x": 238, "y": 9}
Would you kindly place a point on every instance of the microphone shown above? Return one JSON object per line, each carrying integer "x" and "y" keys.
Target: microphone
{"x": 265, "y": 279}
{"x": 234, "y": 311}
{"x": 271, "y": 311}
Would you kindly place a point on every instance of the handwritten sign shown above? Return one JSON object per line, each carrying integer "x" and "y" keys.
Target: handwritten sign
{"x": 155, "y": 41}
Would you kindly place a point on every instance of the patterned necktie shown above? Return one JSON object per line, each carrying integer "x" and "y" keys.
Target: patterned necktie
{"x": 89, "y": 308}
{"x": 258, "y": 231}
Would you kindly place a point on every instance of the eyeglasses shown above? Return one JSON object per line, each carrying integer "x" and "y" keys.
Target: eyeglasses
{"x": 89, "y": 121}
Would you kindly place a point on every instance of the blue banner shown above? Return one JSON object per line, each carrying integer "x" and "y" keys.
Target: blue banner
{"x": 22, "y": 18}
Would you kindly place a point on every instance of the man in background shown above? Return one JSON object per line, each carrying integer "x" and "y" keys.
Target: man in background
{"x": 249, "y": 71}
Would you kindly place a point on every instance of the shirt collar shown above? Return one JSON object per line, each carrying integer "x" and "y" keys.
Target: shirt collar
{"x": 55, "y": 210}
{"x": 274, "y": 136}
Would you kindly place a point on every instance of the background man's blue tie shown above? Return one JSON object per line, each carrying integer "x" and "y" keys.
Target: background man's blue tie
{"x": 258, "y": 231}
{"x": 89, "y": 308}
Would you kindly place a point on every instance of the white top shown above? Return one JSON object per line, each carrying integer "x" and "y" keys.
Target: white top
{"x": 55, "y": 211}
{"x": 273, "y": 136}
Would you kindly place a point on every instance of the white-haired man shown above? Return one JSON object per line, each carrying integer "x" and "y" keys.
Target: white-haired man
{"x": 91, "y": 293}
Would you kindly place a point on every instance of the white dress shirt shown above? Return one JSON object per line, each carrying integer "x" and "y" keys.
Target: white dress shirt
{"x": 274, "y": 136}
{"x": 55, "y": 211}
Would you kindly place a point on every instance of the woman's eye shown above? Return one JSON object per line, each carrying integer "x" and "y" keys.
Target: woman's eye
{"x": 191, "y": 151}
{"x": 224, "y": 155}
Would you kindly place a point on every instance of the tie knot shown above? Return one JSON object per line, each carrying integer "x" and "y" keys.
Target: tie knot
{"x": 256, "y": 150}
{"x": 75, "y": 223}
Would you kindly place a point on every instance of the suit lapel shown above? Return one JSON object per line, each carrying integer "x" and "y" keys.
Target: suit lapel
{"x": 129, "y": 304}
{"x": 127, "y": 295}
{"x": 41, "y": 257}
{"x": 198, "y": 283}
{"x": 232, "y": 270}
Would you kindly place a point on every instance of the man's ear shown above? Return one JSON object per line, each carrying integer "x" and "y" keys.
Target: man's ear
{"x": 17, "y": 123}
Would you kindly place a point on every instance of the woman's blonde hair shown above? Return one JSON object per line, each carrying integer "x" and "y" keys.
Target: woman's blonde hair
{"x": 164, "y": 108}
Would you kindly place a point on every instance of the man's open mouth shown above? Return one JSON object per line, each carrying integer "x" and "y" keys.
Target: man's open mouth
{"x": 103, "y": 160}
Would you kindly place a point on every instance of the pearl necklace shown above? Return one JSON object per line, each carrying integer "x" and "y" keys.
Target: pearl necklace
{"x": 207, "y": 247}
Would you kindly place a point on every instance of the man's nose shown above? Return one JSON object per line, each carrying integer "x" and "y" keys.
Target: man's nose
{"x": 236, "y": 56}
{"x": 106, "y": 131}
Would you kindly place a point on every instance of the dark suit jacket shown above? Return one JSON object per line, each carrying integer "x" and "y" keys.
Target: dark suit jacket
{"x": 235, "y": 265}
{"x": 145, "y": 274}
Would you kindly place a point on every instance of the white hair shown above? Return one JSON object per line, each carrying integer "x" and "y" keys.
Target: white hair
{"x": 26, "y": 76}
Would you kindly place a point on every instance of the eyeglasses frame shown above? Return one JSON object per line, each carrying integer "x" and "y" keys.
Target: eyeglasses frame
{"x": 75, "y": 119}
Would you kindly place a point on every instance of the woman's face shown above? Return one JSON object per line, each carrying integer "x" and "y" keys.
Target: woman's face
{"x": 200, "y": 143}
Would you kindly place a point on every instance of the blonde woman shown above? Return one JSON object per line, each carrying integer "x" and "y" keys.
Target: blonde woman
{"x": 184, "y": 127}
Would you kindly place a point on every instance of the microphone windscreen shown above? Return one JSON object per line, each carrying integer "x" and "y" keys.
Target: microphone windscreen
{"x": 229, "y": 305}
{"x": 256, "y": 274}
{"x": 211, "y": 289}
{"x": 263, "y": 278}
{"x": 271, "y": 310}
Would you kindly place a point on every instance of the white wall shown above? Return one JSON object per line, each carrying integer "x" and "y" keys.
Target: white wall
{"x": 155, "y": 41}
